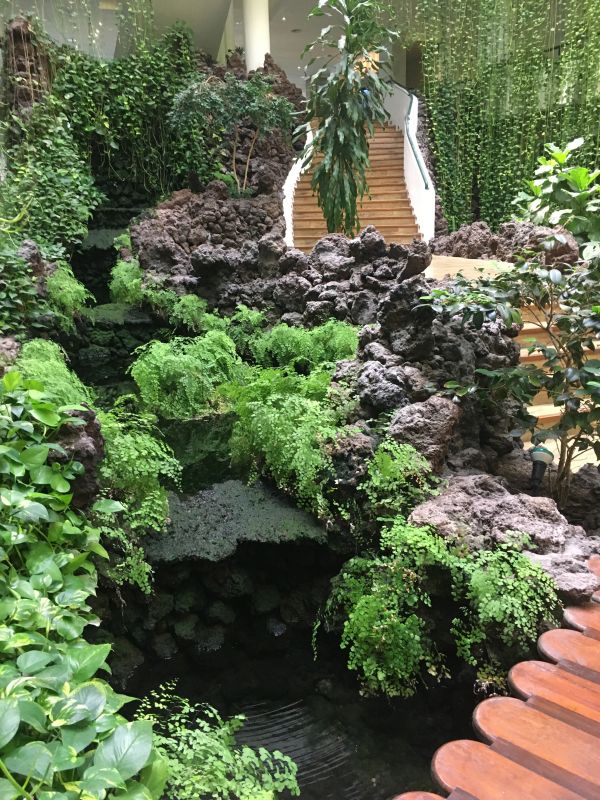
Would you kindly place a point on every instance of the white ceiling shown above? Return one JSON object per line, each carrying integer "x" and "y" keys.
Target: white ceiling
{"x": 206, "y": 18}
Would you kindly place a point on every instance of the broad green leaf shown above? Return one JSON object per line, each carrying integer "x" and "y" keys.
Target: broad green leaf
{"x": 11, "y": 380}
{"x": 88, "y": 659}
{"x": 10, "y": 719}
{"x": 34, "y": 661}
{"x": 78, "y": 737}
{"x": 106, "y": 506}
{"x": 135, "y": 791}
{"x": 46, "y": 416}
{"x": 7, "y": 790}
{"x": 32, "y": 759}
{"x": 154, "y": 776}
{"x": 127, "y": 749}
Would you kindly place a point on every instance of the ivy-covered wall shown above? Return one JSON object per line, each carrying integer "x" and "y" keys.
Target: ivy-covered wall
{"x": 502, "y": 77}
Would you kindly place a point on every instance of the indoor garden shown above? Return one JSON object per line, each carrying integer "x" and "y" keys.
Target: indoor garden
{"x": 270, "y": 522}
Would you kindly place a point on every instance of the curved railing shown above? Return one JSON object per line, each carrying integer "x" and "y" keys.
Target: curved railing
{"x": 403, "y": 108}
{"x": 289, "y": 191}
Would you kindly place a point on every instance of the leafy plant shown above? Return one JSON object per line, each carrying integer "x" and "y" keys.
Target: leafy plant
{"x": 394, "y": 612}
{"x": 506, "y": 596}
{"x": 136, "y": 464}
{"x": 210, "y": 109}
{"x": 126, "y": 282}
{"x": 346, "y": 98}
{"x": 20, "y": 305}
{"x": 285, "y": 435}
{"x": 203, "y": 757}
{"x": 67, "y": 297}
{"x": 48, "y": 181}
{"x": 61, "y": 733}
{"x": 177, "y": 379}
{"x": 45, "y": 361}
{"x": 286, "y": 346}
{"x": 562, "y": 194}
{"x": 398, "y": 479}
{"x": 565, "y": 309}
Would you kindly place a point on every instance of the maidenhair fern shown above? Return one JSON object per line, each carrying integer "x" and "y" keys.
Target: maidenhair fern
{"x": 288, "y": 346}
{"x": 67, "y": 297}
{"x": 177, "y": 379}
{"x": 45, "y": 361}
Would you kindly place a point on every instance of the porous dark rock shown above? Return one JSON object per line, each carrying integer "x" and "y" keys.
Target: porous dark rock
{"x": 9, "y": 351}
{"x": 476, "y": 240}
{"x": 428, "y": 427}
{"x": 83, "y": 442}
{"x": 211, "y": 524}
{"x": 479, "y": 511}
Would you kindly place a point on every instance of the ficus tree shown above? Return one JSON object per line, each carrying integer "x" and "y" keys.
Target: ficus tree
{"x": 564, "y": 307}
{"x": 346, "y": 97}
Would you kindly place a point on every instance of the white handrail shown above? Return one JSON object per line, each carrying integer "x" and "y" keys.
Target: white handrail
{"x": 289, "y": 191}
{"x": 403, "y": 108}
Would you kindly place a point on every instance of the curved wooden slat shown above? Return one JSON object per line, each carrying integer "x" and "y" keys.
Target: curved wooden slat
{"x": 571, "y": 646}
{"x": 545, "y": 745}
{"x": 487, "y": 775}
{"x": 584, "y": 618}
{"x": 538, "y": 680}
{"x": 594, "y": 565}
{"x": 418, "y": 796}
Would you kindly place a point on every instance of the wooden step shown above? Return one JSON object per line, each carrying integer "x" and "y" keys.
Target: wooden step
{"x": 541, "y": 684}
{"x": 563, "y": 752}
{"x": 572, "y": 651}
{"x": 479, "y": 773}
{"x": 584, "y": 618}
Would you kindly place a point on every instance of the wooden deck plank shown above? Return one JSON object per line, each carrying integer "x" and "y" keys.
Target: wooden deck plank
{"x": 572, "y": 648}
{"x": 584, "y": 618}
{"x": 418, "y": 796}
{"x": 594, "y": 565}
{"x": 548, "y": 746}
{"x": 558, "y": 690}
{"x": 487, "y": 775}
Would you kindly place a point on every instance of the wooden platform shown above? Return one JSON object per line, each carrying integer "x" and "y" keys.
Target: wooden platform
{"x": 543, "y": 743}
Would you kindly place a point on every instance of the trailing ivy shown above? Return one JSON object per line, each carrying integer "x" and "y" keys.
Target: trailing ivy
{"x": 502, "y": 77}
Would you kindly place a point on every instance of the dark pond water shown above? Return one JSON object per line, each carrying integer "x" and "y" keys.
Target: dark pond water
{"x": 347, "y": 747}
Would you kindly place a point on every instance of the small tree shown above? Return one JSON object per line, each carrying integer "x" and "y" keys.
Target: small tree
{"x": 564, "y": 306}
{"x": 209, "y": 110}
{"x": 563, "y": 194}
{"x": 346, "y": 98}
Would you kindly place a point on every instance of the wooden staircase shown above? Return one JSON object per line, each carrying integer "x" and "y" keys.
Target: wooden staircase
{"x": 388, "y": 208}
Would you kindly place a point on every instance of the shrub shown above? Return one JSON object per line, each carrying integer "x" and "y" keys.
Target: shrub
{"x": 284, "y": 346}
{"x": 136, "y": 463}
{"x": 61, "y": 732}
{"x": 45, "y": 361}
{"x": 203, "y": 757}
{"x": 565, "y": 305}
{"x": 20, "y": 304}
{"x": 398, "y": 479}
{"x": 177, "y": 379}
{"x": 284, "y": 435}
{"x": 393, "y": 608}
{"x": 126, "y": 282}
{"x": 189, "y": 311}
{"x": 562, "y": 194}
{"x": 49, "y": 180}
{"x": 67, "y": 297}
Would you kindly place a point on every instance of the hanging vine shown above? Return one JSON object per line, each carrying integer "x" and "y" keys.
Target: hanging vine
{"x": 502, "y": 77}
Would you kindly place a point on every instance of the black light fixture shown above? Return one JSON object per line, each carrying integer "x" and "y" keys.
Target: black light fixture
{"x": 541, "y": 458}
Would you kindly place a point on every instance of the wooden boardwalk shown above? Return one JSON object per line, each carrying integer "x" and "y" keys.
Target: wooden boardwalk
{"x": 544, "y": 743}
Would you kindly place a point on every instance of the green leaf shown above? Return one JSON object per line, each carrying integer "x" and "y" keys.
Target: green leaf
{"x": 32, "y": 759}
{"x": 106, "y": 506}
{"x": 127, "y": 749}
{"x": 35, "y": 456}
{"x": 135, "y": 791}
{"x": 87, "y": 659}
{"x": 10, "y": 719}
{"x": 7, "y": 790}
{"x": 33, "y": 661}
{"x": 11, "y": 380}
{"x": 154, "y": 776}
{"x": 45, "y": 416}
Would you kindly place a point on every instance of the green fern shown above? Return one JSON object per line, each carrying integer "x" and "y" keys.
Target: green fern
{"x": 67, "y": 297}
{"x": 177, "y": 380}
{"x": 45, "y": 361}
{"x": 287, "y": 346}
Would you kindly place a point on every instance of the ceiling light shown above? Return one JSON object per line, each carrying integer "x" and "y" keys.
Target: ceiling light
{"x": 296, "y": 30}
{"x": 283, "y": 19}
